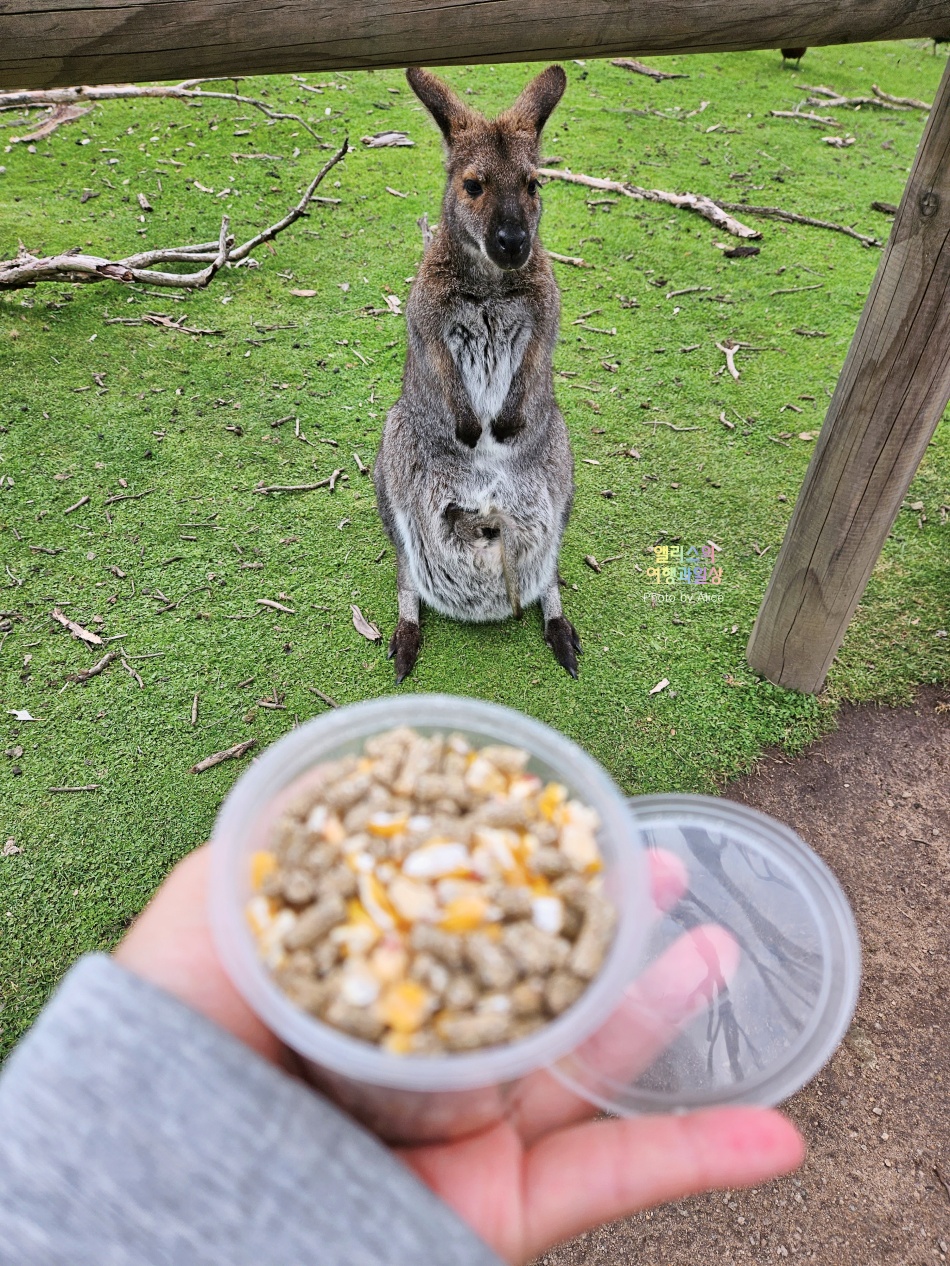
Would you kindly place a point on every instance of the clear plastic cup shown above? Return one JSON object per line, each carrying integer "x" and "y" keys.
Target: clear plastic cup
{"x": 423, "y": 1098}
{"x": 732, "y": 981}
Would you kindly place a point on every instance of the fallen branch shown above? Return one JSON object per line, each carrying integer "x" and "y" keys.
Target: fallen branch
{"x": 791, "y": 217}
{"x": 709, "y": 210}
{"x": 92, "y": 786}
{"x": 27, "y": 269}
{"x": 229, "y": 753}
{"x": 32, "y": 99}
{"x": 638, "y": 68}
{"x": 84, "y": 635}
{"x": 61, "y": 114}
{"x": 913, "y": 102}
{"x": 831, "y": 98}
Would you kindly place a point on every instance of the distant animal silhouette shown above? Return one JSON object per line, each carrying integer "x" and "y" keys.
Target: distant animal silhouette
{"x": 793, "y": 54}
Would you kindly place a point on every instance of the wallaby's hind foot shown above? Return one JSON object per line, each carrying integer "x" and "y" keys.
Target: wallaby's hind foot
{"x": 561, "y": 635}
{"x": 404, "y": 648}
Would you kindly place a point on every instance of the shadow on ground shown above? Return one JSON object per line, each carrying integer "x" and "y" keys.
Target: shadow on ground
{"x": 874, "y": 800}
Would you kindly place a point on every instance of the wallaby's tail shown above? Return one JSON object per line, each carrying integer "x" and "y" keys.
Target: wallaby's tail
{"x": 509, "y": 569}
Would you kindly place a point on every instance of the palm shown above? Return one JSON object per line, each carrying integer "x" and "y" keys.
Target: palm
{"x": 547, "y": 1172}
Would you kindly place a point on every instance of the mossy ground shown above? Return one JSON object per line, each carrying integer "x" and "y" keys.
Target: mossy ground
{"x": 190, "y": 421}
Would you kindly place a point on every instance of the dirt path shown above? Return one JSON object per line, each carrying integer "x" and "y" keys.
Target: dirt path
{"x": 874, "y": 800}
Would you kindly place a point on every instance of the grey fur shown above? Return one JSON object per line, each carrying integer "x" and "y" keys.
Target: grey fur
{"x": 474, "y": 478}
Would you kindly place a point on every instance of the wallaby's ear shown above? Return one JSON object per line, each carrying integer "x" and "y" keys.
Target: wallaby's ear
{"x": 533, "y": 108}
{"x": 451, "y": 113}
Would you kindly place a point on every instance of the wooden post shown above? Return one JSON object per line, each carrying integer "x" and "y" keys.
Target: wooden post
{"x": 892, "y": 391}
{"x": 48, "y": 43}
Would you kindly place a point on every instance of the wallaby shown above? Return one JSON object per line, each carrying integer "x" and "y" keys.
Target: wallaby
{"x": 475, "y": 477}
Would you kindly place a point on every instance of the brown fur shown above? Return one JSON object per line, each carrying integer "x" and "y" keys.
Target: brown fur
{"x": 475, "y": 477}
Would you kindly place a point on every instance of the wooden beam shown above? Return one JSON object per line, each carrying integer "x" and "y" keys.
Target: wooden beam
{"x": 891, "y": 394}
{"x": 51, "y": 43}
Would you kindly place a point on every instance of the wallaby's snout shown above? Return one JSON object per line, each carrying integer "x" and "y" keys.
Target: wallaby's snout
{"x": 512, "y": 244}
{"x": 491, "y": 202}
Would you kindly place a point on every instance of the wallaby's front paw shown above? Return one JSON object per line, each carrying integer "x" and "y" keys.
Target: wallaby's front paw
{"x": 561, "y": 635}
{"x": 404, "y": 648}
{"x": 468, "y": 430}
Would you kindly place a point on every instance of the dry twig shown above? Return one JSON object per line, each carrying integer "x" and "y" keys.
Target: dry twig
{"x": 85, "y": 673}
{"x": 805, "y": 117}
{"x": 132, "y": 673}
{"x": 27, "y": 269}
{"x": 712, "y": 211}
{"x": 575, "y": 260}
{"x": 331, "y": 703}
{"x": 229, "y": 753}
{"x": 791, "y": 217}
{"x": 162, "y": 320}
{"x": 729, "y": 351}
{"x": 638, "y": 68}
{"x": 323, "y": 483}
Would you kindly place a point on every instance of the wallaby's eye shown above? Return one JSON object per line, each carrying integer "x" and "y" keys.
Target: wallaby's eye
{"x": 473, "y": 188}
{"x": 532, "y": 187}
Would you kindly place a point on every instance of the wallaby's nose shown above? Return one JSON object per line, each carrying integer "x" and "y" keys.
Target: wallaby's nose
{"x": 511, "y": 239}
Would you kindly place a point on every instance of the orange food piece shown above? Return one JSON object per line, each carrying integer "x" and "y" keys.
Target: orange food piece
{"x": 404, "y": 1007}
{"x": 464, "y": 914}
{"x": 398, "y": 1043}
{"x": 386, "y": 826}
{"x": 262, "y": 865}
{"x": 551, "y": 799}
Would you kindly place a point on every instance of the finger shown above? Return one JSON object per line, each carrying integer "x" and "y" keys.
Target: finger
{"x": 595, "y": 1173}
{"x": 679, "y": 985}
{"x": 170, "y": 946}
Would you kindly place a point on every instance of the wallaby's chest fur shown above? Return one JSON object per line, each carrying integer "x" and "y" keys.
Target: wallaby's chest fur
{"x": 487, "y": 341}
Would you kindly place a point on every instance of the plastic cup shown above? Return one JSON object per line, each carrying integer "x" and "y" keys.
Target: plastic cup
{"x": 422, "y": 1098}
{"x": 737, "y": 990}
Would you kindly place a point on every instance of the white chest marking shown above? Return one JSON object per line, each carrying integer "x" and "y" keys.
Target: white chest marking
{"x": 487, "y": 347}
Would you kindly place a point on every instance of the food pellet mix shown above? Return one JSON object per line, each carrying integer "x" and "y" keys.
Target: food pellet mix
{"x": 429, "y": 896}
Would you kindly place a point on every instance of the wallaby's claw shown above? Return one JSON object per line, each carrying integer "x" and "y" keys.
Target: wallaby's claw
{"x": 404, "y": 648}
{"x": 561, "y": 636}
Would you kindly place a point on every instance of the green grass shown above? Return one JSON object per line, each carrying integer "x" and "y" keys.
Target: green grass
{"x": 160, "y": 423}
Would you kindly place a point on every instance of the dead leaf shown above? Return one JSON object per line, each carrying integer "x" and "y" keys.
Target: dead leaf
{"x": 806, "y": 435}
{"x": 660, "y": 685}
{"x": 304, "y": 294}
{"x": 393, "y": 303}
{"x": 10, "y": 848}
{"x": 363, "y": 626}
{"x": 383, "y": 139}
{"x": 21, "y": 714}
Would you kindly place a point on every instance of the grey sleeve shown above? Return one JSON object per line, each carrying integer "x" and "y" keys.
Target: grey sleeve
{"x": 134, "y": 1131}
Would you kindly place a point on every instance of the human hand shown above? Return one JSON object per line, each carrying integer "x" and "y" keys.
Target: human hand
{"x": 544, "y": 1174}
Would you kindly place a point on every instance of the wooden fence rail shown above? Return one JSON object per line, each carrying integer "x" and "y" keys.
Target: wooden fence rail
{"x": 50, "y": 43}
